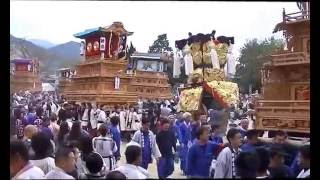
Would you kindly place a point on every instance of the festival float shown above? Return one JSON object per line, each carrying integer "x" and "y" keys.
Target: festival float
{"x": 24, "y": 75}
{"x": 103, "y": 75}
{"x": 149, "y": 77}
{"x": 285, "y": 102}
{"x": 210, "y": 66}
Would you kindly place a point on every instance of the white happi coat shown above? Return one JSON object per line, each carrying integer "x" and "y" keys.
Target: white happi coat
{"x": 137, "y": 137}
{"x": 122, "y": 122}
{"x": 93, "y": 119}
{"x": 106, "y": 147}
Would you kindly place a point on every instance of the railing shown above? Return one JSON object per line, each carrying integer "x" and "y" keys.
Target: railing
{"x": 283, "y": 103}
{"x": 290, "y": 58}
{"x": 302, "y": 15}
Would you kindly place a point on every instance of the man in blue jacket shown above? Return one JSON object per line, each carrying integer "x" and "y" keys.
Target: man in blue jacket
{"x": 200, "y": 155}
{"x": 184, "y": 140}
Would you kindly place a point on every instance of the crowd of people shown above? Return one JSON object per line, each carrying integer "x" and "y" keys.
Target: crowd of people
{"x": 55, "y": 139}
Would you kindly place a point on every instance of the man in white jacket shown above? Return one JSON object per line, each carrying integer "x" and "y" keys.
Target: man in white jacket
{"x": 20, "y": 166}
{"x": 147, "y": 141}
{"x": 102, "y": 118}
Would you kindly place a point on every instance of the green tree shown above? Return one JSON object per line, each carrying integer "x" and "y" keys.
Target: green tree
{"x": 160, "y": 45}
{"x": 251, "y": 61}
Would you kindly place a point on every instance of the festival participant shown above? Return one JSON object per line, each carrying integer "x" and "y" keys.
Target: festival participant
{"x": 65, "y": 162}
{"x": 41, "y": 145}
{"x": 277, "y": 165}
{"x": 184, "y": 140}
{"x": 62, "y": 114}
{"x": 244, "y": 127}
{"x": 304, "y": 161}
{"x": 264, "y": 156}
{"x": 246, "y": 165}
{"x": 93, "y": 121}
{"x": 105, "y": 146}
{"x": 148, "y": 144}
{"x": 21, "y": 122}
{"x": 20, "y": 166}
{"x": 252, "y": 140}
{"x": 116, "y": 135}
{"x": 31, "y": 117}
{"x": 101, "y": 116}
{"x": 166, "y": 141}
{"x": 131, "y": 118}
{"x": 115, "y": 175}
{"x": 225, "y": 167}
{"x": 132, "y": 169}
{"x": 62, "y": 135}
{"x": 200, "y": 155}
{"x": 54, "y": 127}
{"x": 76, "y": 132}
{"x": 215, "y": 136}
{"x": 85, "y": 116}
{"x": 29, "y": 131}
{"x": 122, "y": 120}
{"x": 94, "y": 164}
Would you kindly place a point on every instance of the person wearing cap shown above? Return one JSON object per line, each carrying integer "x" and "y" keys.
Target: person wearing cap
{"x": 277, "y": 168}
{"x": 147, "y": 141}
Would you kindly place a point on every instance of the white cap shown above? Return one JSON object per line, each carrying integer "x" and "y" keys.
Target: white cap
{"x": 133, "y": 143}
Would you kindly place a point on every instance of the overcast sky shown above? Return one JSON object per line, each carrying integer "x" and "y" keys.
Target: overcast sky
{"x": 57, "y": 21}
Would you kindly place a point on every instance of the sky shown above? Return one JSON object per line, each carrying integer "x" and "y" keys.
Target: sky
{"x": 57, "y": 21}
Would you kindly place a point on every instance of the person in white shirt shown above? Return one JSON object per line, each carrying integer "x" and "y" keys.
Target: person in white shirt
{"x": 131, "y": 169}
{"x": 20, "y": 167}
{"x": 304, "y": 161}
{"x": 106, "y": 147}
{"x": 65, "y": 162}
{"x": 102, "y": 118}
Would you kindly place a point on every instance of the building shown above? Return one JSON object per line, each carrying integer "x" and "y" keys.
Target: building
{"x": 24, "y": 75}
{"x": 286, "y": 79}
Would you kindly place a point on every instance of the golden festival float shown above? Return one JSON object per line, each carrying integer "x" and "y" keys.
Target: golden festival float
{"x": 24, "y": 75}
{"x": 210, "y": 66}
{"x": 285, "y": 102}
{"x": 105, "y": 76}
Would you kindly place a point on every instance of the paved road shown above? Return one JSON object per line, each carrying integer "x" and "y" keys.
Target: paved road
{"x": 152, "y": 169}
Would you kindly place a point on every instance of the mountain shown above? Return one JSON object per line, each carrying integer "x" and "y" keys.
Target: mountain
{"x": 64, "y": 55}
{"x": 42, "y": 43}
{"x": 69, "y": 50}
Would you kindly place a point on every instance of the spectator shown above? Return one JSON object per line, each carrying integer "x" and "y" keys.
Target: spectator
{"x": 94, "y": 164}
{"x": 225, "y": 167}
{"x": 247, "y": 164}
{"x": 20, "y": 166}
{"x": 131, "y": 169}
{"x": 41, "y": 145}
{"x": 65, "y": 162}
{"x": 105, "y": 146}
{"x": 304, "y": 162}
{"x": 264, "y": 156}
{"x": 244, "y": 127}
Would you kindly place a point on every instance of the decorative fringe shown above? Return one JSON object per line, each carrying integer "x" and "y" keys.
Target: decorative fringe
{"x": 176, "y": 65}
{"x": 214, "y": 59}
{"x": 110, "y": 38}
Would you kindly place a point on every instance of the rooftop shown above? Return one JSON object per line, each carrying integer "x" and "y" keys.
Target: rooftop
{"x": 115, "y": 27}
{"x": 21, "y": 61}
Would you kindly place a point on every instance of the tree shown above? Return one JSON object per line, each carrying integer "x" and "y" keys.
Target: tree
{"x": 160, "y": 45}
{"x": 251, "y": 61}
